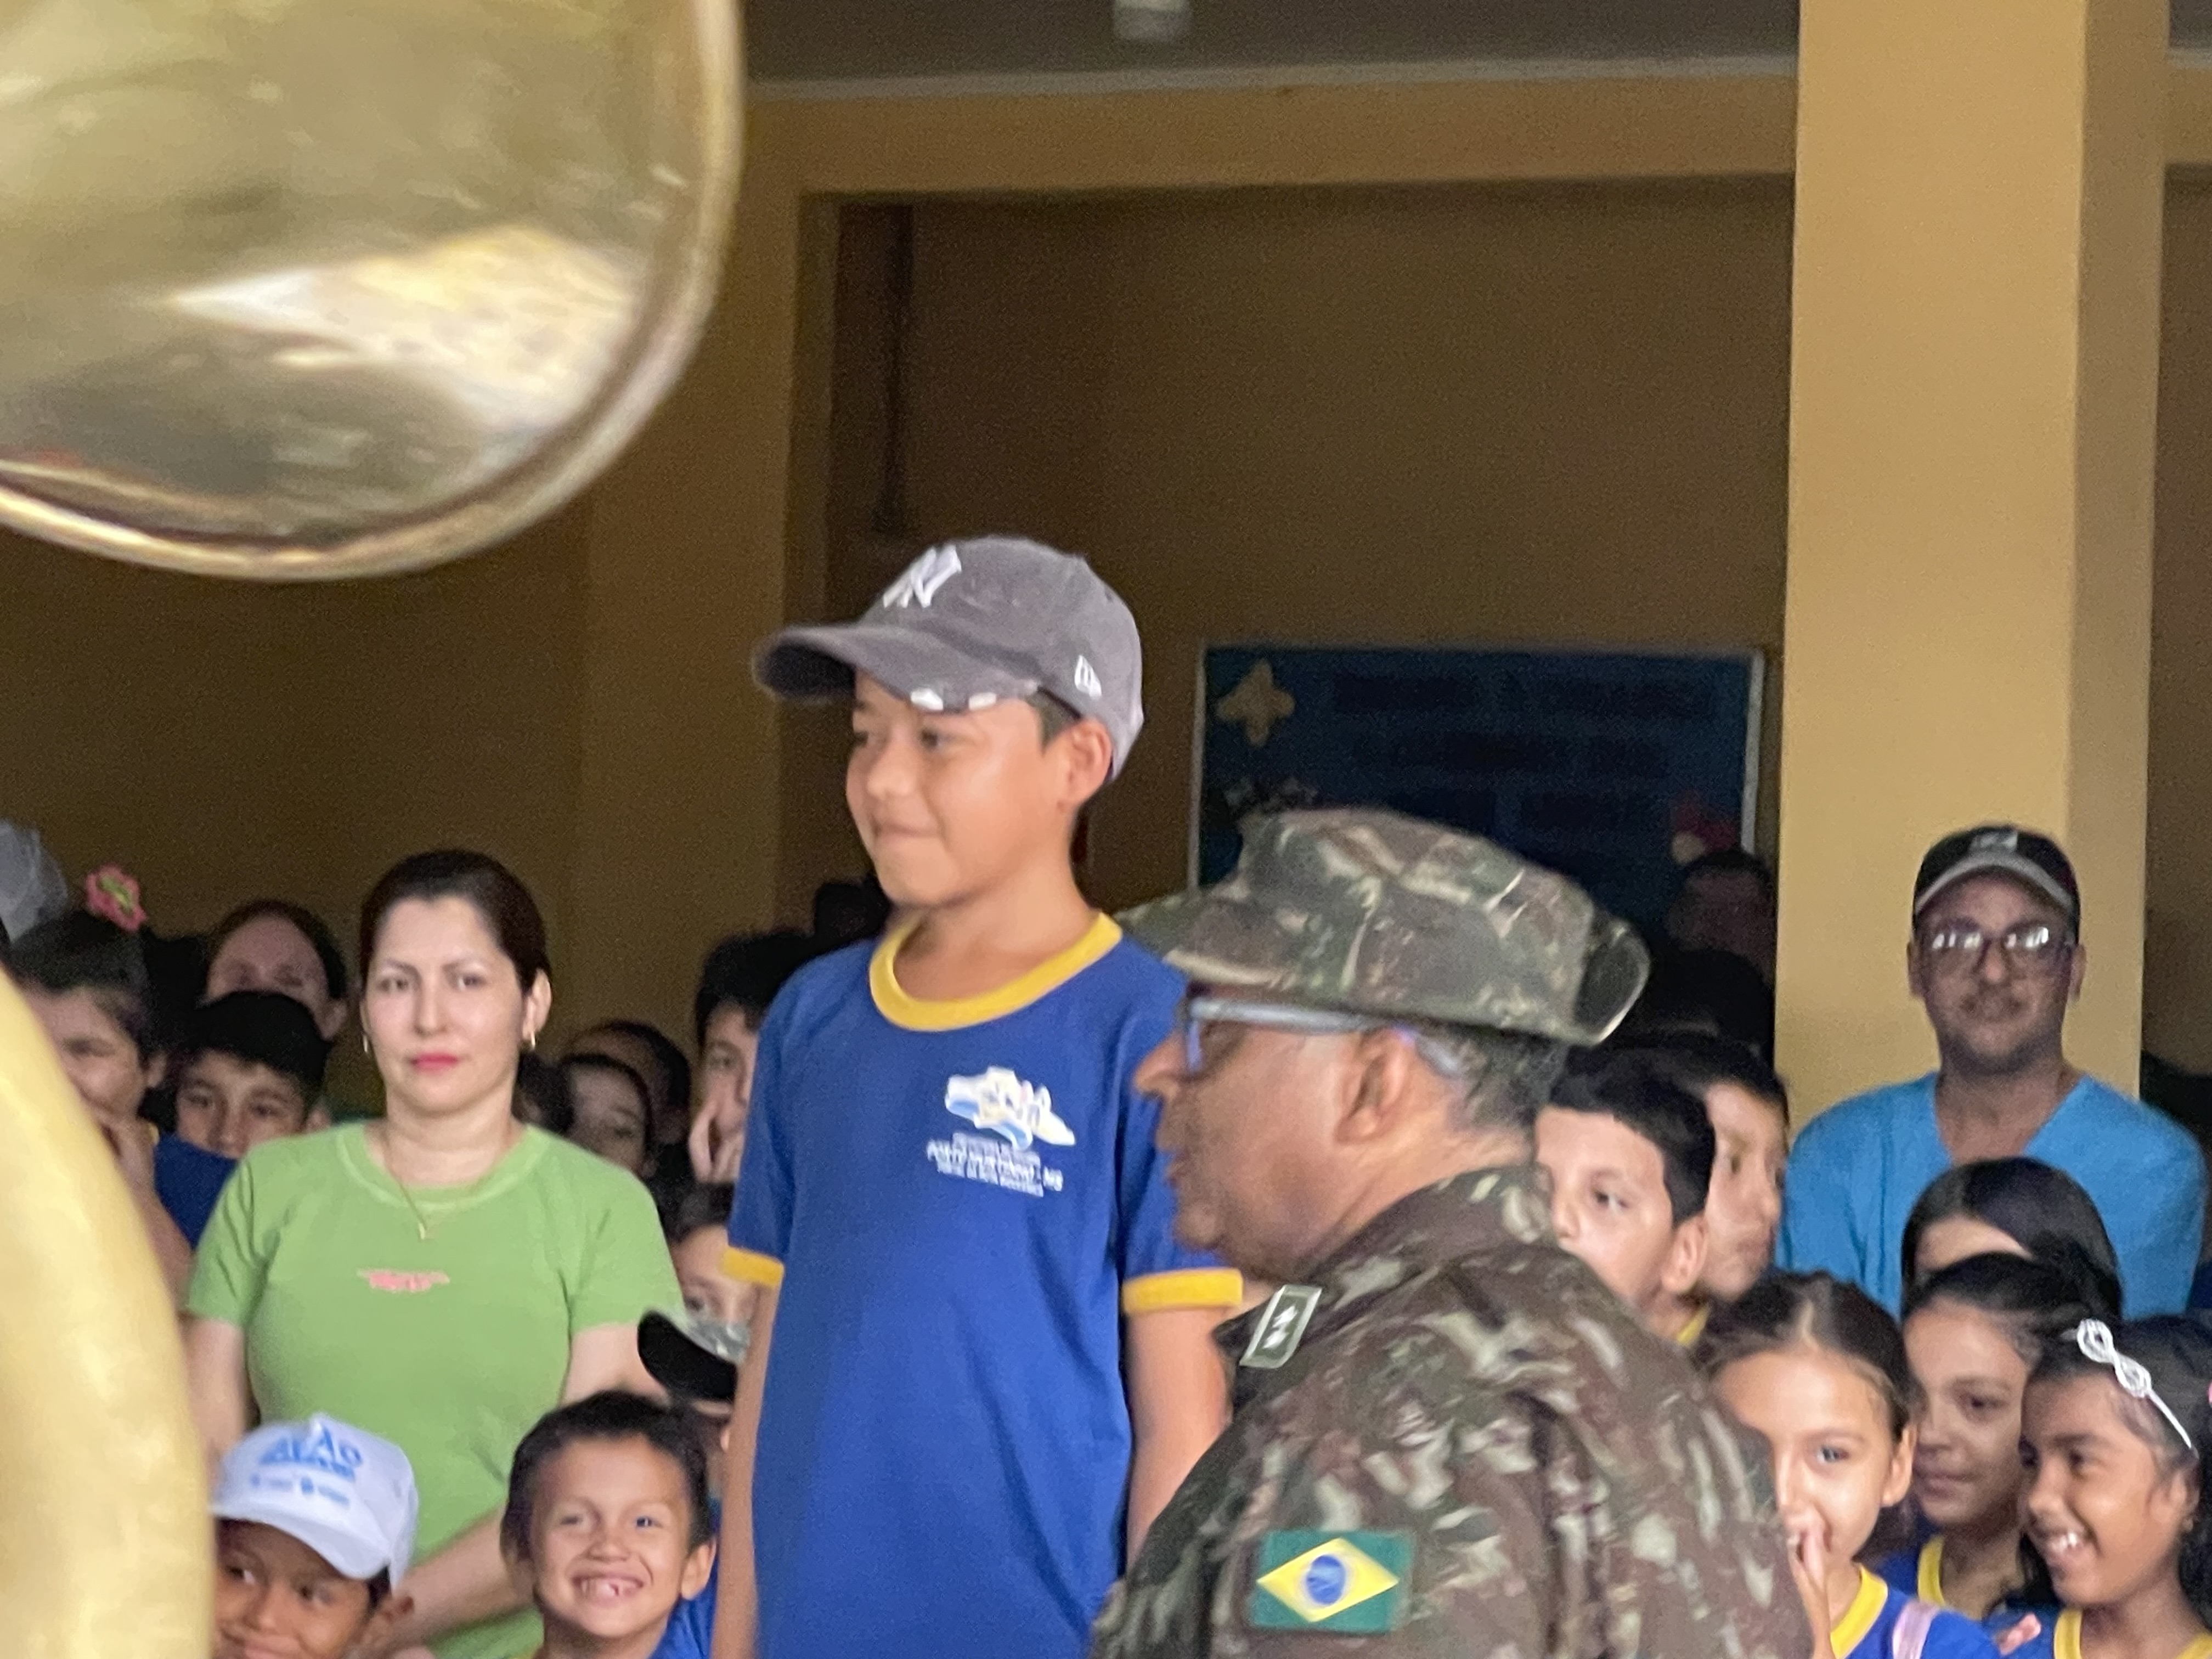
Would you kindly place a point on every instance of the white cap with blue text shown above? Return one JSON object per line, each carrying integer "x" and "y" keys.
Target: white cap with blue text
{"x": 344, "y": 1494}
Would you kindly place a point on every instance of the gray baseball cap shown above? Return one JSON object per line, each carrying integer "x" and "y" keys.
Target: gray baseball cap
{"x": 973, "y": 624}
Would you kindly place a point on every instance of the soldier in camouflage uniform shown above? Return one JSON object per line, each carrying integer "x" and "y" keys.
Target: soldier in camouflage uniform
{"x": 1449, "y": 1437}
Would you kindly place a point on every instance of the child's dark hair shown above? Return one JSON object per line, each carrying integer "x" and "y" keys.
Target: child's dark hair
{"x": 667, "y": 1060}
{"x": 309, "y": 925}
{"x": 1636, "y": 1088}
{"x": 745, "y": 971}
{"x": 2042, "y": 1210}
{"x": 611, "y": 1415}
{"x": 2176, "y": 1349}
{"x": 2031, "y": 1302}
{"x": 262, "y": 1028}
{"x": 80, "y": 951}
{"x": 542, "y": 1094}
{"x": 1699, "y": 1060}
{"x": 1785, "y": 1311}
{"x": 704, "y": 1205}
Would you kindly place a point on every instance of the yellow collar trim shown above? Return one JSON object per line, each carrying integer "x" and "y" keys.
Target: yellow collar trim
{"x": 914, "y": 1013}
{"x": 2066, "y": 1640}
{"x": 1858, "y": 1618}
{"x": 1932, "y": 1572}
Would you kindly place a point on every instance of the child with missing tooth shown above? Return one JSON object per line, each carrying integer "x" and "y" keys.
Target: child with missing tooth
{"x": 2113, "y": 1432}
{"x": 1819, "y": 1369}
{"x": 606, "y": 1527}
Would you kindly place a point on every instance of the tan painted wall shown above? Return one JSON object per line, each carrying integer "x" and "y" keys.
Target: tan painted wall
{"x": 1490, "y": 414}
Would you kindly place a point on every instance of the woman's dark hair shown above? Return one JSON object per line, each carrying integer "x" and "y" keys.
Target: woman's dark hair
{"x": 2031, "y": 1302}
{"x": 80, "y": 951}
{"x": 2041, "y": 1209}
{"x": 704, "y": 1205}
{"x": 306, "y": 922}
{"x": 2176, "y": 1349}
{"x": 487, "y": 885}
{"x": 608, "y": 1416}
{"x": 542, "y": 1094}
{"x": 1785, "y": 1311}
{"x": 745, "y": 971}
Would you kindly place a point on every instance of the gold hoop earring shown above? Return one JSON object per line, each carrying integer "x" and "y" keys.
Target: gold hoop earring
{"x": 530, "y": 1041}
{"x": 365, "y": 1048}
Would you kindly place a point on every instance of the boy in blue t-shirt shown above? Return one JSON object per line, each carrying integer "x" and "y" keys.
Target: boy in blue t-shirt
{"x": 984, "y": 1362}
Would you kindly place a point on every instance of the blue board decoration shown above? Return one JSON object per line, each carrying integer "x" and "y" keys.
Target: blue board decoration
{"x": 1614, "y": 767}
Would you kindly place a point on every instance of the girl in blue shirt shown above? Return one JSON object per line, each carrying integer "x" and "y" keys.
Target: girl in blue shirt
{"x": 1973, "y": 1331}
{"x": 2113, "y": 1433}
{"x": 1819, "y": 1370}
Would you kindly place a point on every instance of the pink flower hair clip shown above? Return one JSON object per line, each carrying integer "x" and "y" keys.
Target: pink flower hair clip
{"x": 112, "y": 891}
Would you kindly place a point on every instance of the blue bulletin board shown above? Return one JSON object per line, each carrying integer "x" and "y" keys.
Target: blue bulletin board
{"x": 1613, "y": 767}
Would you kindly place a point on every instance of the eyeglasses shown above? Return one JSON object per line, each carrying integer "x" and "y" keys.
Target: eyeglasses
{"x": 1195, "y": 1012}
{"x": 2036, "y": 949}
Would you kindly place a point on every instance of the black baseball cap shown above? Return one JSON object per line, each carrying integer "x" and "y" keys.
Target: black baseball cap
{"x": 2035, "y": 861}
{"x": 973, "y": 624}
{"x": 694, "y": 1357}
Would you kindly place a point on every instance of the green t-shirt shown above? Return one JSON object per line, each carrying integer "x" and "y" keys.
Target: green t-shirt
{"x": 451, "y": 1347}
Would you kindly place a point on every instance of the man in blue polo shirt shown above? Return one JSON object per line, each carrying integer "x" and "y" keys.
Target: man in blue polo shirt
{"x": 1996, "y": 958}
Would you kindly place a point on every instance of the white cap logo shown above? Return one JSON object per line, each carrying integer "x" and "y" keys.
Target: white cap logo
{"x": 1086, "y": 679}
{"x": 919, "y": 583}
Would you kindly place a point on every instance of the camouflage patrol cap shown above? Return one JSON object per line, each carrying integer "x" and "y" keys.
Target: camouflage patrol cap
{"x": 1372, "y": 912}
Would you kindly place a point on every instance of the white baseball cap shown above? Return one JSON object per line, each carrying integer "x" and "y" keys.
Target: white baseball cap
{"x": 344, "y": 1494}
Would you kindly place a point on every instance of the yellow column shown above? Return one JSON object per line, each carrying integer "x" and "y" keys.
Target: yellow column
{"x": 1972, "y": 404}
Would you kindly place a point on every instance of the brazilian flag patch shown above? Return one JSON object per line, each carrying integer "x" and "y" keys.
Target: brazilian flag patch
{"x": 1350, "y": 1582}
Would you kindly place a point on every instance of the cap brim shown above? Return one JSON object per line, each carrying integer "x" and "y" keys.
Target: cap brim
{"x": 1217, "y": 938}
{"x": 819, "y": 663}
{"x": 2026, "y": 870}
{"x": 681, "y": 1365}
{"x": 351, "y": 1556}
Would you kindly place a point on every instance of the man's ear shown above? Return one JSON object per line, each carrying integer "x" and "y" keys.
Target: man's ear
{"x": 1686, "y": 1258}
{"x": 698, "y": 1568}
{"x": 157, "y": 1070}
{"x": 1383, "y": 1064}
{"x": 2075, "y": 971}
{"x": 375, "y": 1634}
{"x": 1915, "y": 970}
{"x": 318, "y": 1117}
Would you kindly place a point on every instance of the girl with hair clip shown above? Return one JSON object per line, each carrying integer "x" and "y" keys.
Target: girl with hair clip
{"x": 2113, "y": 1433}
{"x": 1819, "y": 1369}
{"x": 1973, "y": 1333}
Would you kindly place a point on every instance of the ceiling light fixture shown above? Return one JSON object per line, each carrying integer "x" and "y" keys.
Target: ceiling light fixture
{"x": 1151, "y": 22}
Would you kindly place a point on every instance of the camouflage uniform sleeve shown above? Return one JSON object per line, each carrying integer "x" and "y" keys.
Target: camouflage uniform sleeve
{"x": 1439, "y": 1517}
{"x": 1420, "y": 1531}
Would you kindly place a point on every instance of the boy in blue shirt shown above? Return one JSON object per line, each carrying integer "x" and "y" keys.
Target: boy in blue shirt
{"x": 1995, "y": 958}
{"x": 983, "y": 1364}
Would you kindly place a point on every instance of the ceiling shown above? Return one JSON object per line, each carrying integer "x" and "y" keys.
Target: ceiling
{"x": 869, "y": 40}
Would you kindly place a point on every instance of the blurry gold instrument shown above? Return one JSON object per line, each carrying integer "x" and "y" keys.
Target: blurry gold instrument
{"x": 309, "y": 289}
{"x": 103, "y": 1536}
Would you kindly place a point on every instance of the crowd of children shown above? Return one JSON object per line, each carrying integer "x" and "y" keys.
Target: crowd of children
{"x": 923, "y": 1179}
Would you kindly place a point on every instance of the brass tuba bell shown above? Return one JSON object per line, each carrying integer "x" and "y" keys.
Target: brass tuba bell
{"x": 311, "y": 289}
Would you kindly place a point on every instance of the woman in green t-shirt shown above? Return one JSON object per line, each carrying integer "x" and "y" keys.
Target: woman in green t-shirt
{"x": 443, "y": 1276}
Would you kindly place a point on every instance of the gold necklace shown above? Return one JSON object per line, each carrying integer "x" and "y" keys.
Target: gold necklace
{"x": 423, "y": 1230}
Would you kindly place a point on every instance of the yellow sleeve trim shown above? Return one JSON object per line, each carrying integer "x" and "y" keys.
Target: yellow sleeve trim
{"x": 1188, "y": 1287}
{"x": 920, "y": 1014}
{"x": 752, "y": 1268}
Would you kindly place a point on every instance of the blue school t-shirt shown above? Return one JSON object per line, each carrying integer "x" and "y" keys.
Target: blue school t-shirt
{"x": 691, "y": 1632}
{"x": 1919, "y": 1572}
{"x": 1858, "y": 1169}
{"x": 1868, "y": 1626}
{"x": 188, "y": 1180}
{"x": 960, "y": 1201}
